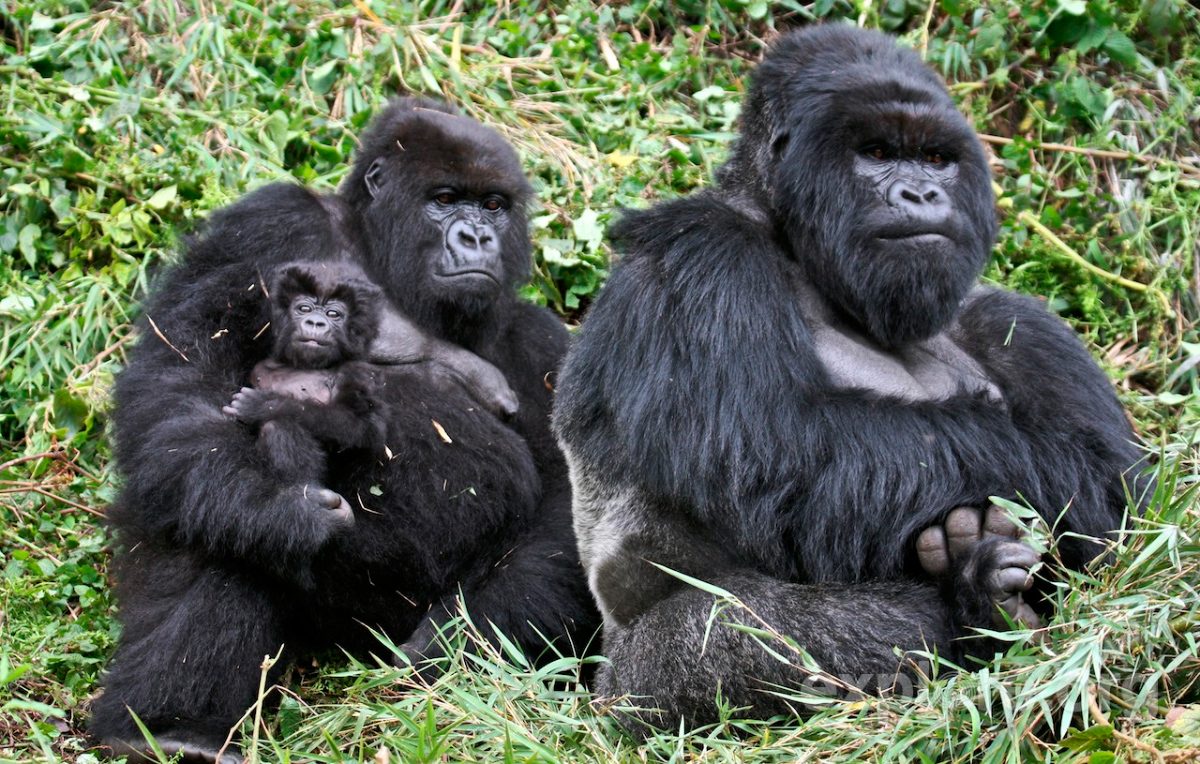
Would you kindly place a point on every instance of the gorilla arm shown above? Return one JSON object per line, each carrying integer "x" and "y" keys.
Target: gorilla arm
{"x": 191, "y": 474}
{"x": 1064, "y": 405}
{"x": 400, "y": 341}
{"x": 341, "y": 407}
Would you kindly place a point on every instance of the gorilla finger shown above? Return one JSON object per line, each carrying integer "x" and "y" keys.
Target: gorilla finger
{"x": 962, "y": 531}
{"x": 1026, "y": 617}
{"x": 230, "y": 410}
{"x": 1019, "y": 614}
{"x": 996, "y": 522}
{"x": 506, "y": 404}
{"x": 338, "y": 509}
{"x": 1014, "y": 554}
{"x": 326, "y": 498}
{"x": 932, "y": 552}
{"x": 1012, "y": 580}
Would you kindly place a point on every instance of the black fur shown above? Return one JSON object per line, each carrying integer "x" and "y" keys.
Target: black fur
{"x": 214, "y": 548}
{"x": 706, "y": 433}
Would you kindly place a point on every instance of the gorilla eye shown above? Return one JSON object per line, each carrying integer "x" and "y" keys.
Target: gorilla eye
{"x": 444, "y": 198}
{"x": 492, "y": 203}
{"x": 875, "y": 151}
{"x": 304, "y": 308}
{"x": 333, "y": 313}
{"x": 935, "y": 158}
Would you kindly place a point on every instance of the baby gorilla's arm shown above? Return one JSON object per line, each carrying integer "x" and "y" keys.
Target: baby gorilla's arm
{"x": 400, "y": 341}
{"x": 338, "y": 407}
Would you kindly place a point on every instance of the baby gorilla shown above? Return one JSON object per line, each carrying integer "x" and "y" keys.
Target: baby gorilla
{"x": 317, "y": 391}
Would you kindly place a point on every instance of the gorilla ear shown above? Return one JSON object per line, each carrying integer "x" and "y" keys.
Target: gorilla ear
{"x": 779, "y": 144}
{"x": 373, "y": 180}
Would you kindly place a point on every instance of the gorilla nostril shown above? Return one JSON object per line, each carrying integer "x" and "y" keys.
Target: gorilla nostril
{"x": 468, "y": 239}
{"x": 932, "y": 196}
{"x": 909, "y": 195}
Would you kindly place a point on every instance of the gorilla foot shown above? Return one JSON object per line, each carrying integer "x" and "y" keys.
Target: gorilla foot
{"x": 982, "y": 554}
{"x": 424, "y": 652}
{"x": 182, "y": 751}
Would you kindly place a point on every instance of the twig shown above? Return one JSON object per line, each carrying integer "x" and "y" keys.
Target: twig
{"x": 31, "y": 458}
{"x": 925, "y": 27}
{"x": 18, "y": 488}
{"x": 1026, "y": 217}
{"x": 1098, "y": 153}
{"x": 256, "y": 709}
{"x": 1099, "y": 715}
{"x": 94, "y": 364}
{"x": 267, "y": 663}
{"x": 163, "y": 337}
{"x": 81, "y": 507}
{"x": 12, "y": 535}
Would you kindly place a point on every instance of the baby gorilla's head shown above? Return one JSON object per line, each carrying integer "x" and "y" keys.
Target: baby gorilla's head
{"x": 323, "y": 314}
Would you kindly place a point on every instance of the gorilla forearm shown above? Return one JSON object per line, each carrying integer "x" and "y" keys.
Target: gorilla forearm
{"x": 401, "y": 341}
{"x": 174, "y": 446}
{"x": 168, "y": 494}
{"x": 342, "y": 423}
{"x": 677, "y": 658}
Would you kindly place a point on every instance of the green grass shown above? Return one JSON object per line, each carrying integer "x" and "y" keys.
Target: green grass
{"x": 123, "y": 124}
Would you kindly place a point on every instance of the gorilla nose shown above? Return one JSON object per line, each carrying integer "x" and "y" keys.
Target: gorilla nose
{"x": 473, "y": 237}
{"x": 472, "y": 242}
{"x": 919, "y": 199}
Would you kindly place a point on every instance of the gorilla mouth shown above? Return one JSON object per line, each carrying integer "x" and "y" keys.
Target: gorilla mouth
{"x": 916, "y": 237}
{"x": 472, "y": 274}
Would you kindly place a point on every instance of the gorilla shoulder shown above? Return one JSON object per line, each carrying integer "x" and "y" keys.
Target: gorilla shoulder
{"x": 706, "y": 230}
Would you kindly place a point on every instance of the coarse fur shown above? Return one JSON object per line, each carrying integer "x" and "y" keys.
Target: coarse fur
{"x": 219, "y": 561}
{"x": 792, "y": 375}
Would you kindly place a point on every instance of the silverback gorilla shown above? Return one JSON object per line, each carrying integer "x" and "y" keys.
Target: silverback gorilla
{"x": 793, "y": 387}
{"x": 221, "y": 559}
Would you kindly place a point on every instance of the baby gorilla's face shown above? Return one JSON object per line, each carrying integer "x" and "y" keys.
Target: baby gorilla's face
{"x": 318, "y": 331}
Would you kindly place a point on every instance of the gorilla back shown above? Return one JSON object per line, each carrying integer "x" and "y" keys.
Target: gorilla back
{"x": 221, "y": 559}
{"x": 793, "y": 377}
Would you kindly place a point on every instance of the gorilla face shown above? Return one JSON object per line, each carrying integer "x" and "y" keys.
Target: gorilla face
{"x": 878, "y": 181}
{"x": 322, "y": 314}
{"x": 443, "y": 204}
{"x": 471, "y": 230}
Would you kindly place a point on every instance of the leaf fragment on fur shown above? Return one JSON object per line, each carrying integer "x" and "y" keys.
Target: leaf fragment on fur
{"x": 441, "y": 431}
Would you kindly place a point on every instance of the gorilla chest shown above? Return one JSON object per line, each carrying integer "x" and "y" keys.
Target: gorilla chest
{"x": 931, "y": 370}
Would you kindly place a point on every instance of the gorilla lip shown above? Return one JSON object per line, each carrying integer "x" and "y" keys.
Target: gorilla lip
{"x": 921, "y": 236}
{"x": 472, "y": 273}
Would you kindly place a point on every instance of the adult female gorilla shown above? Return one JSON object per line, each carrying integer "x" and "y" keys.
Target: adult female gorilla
{"x": 793, "y": 388}
{"x": 220, "y": 561}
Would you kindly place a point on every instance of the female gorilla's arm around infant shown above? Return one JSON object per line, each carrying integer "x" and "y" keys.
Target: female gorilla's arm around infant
{"x": 221, "y": 558}
{"x": 793, "y": 387}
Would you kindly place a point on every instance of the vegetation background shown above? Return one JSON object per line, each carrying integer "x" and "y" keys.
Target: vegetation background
{"x": 123, "y": 124}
